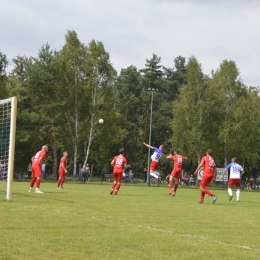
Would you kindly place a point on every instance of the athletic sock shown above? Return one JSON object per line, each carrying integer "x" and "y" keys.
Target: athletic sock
{"x": 62, "y": 181}
{"x": 32, "y": 183}
{"x": 171, "y": 184}
{"x": 58, "y": 184}
{"x": 202, "y": 194}
{"x": 113, "y": 186}
{"x": 238, "y": 194}
{"x": 118, "y": 186}
{"x": 208, "y": 192}
{"x": 230, "y": 191}
{"x": 38, "y": 181}
{"x": 175, "y": 187}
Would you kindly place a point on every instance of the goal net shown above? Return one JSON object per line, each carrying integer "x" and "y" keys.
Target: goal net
{"x": 8, "y": 109}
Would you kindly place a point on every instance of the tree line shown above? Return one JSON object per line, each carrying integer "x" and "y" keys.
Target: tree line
{"x": 63, "y": 93}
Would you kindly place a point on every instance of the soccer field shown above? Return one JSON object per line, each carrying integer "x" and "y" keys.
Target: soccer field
{"x": 85, "y": 222}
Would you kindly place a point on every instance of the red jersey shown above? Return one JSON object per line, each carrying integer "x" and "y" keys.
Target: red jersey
{"x": 40, "y": 154}
{"x": 119, "y": 162}
{"x": 64, "y": 161}
{"x": 177, "y": 160}
{"x": 209, "y": 165}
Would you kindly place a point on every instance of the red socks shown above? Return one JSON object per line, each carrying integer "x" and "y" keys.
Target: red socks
{"x": 118, "y": 186}
{"x": 38, "y": 181}
{"x": 202, "y": 194}
{"x": 113, "y": 185}
{"x": 59, "y": 181}
{"x": 171, "y": 184}
{"x": 175, "y": 187}
{"x": 208, "y": 192}
{"x": 62, "y": 181}
{"x": 32, "y": 183}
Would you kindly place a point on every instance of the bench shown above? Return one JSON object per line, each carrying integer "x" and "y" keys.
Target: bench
{"x": 109, "y": 177}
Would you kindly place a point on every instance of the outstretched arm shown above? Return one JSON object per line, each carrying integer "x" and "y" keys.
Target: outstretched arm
{"x": 147, "y": 145}
{"x": 223, "y": 174}
{"x": 169, "y": 156}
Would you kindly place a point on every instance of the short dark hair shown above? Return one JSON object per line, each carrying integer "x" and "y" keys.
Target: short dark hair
{"x": 234, "y": 159}
{"x": 210, "y": 152}
{"x": 121, "y": 150}
{"x": 177, "y": 151}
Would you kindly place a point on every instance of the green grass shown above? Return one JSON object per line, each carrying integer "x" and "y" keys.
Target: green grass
{"x": 85, "y": 222}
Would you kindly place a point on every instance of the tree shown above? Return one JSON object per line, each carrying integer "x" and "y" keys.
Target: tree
{"x": 191, "y": 111}
{"x": 3, "y": 76}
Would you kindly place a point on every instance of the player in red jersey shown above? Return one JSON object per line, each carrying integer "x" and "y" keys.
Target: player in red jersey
{"x": 62, "y": 170}
{"x": 37, "y": 161}
{"x": 119, "y": 163}
{"x": 209, "y": 174}
{"x": 177, "y": 170}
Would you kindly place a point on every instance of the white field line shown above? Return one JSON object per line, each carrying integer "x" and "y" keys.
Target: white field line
{"x": 180, "y": 234}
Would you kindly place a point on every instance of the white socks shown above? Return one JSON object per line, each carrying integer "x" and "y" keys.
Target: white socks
{"x": 230, "y": 191}
{"x": 238, "y": 194}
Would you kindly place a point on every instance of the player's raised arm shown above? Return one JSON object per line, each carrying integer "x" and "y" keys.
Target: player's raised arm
{"x": 147, "y": 145}
{"x": 169, "y": 156}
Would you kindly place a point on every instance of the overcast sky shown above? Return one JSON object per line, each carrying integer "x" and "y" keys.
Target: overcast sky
{"x": 132, "y": 30}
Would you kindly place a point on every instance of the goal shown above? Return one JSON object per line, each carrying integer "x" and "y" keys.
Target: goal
{"x": 8, "y": 109}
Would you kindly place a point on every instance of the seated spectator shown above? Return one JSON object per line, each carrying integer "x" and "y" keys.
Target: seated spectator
{"x": 131, "y": 176}
{"x": 247, "y": 184}
{"x": 252, "y": 182}
{"x": 21, "y": 177}
{"x": 192, "y": 181}
{"x": 258, "y": 182}
{"x": 185, "y": 179}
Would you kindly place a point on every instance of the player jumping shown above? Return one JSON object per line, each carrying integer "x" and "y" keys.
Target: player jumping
{"x": 37, "y": 161}
{"x": 62, "y": 170}
{"x": 236, "y": 172}
{"x": 177, "y": 170}
{"x": 119, "y": 163}
{"x": 210, "y": 173}
{"x": 158, "y": 153}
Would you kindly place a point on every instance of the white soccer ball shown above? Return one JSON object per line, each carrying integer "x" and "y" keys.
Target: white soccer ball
{"x": 101, "y": 121}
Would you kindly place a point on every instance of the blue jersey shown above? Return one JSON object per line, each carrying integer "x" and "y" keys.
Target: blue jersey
{"x": 157, "y": 154}
{"x": 235, "y": 170}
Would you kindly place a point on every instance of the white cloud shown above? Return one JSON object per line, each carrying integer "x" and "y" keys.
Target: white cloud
{"x": 133, "y": 30}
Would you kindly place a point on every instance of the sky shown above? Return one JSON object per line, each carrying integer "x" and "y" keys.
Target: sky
{"x": 132, "y": 30}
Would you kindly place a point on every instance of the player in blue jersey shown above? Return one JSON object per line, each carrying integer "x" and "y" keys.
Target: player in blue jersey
{"x": 236, "y": 172}
{"x": 158, "y": 153}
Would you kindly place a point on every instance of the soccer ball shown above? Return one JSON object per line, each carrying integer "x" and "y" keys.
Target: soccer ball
{"x": 101, "y": 121}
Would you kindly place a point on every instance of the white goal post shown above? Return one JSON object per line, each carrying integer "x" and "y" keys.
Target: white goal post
{"x": 8, "y": 108}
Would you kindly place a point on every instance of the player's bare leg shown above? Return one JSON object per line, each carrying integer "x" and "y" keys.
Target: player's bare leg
{"x": 113, "y": 187}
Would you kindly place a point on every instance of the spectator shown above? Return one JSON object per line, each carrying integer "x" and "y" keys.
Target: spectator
{"x": 258, "y": 182}
{"x": 247, "y": 185}
{"x": 145, "y": 174}
{"x": 252, "y": 182}
{"x": 192, "y": 181}
{"x": 83, "y": 173}
{"x": 131, "y": 176}
{"x": 185, "y": 179}
{"x": 103, "y": 173}
{"x": 21, "y": 177}
{"x": 87, "y": 172}
{"x": 43, "y": 171}
{"x": 167, "y": 179}
{"x": 29, "y": 171}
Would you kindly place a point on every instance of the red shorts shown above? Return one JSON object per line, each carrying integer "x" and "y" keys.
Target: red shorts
{"x": 62, "y": 173}
{"x": 154, "y": 165}
{"x": 232, "y": 182}
{"x": 176, "y": 173}
{"x": 36, "y": 170}
{"x": 118, "y": 174}
{"x": 206, "y": 180}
